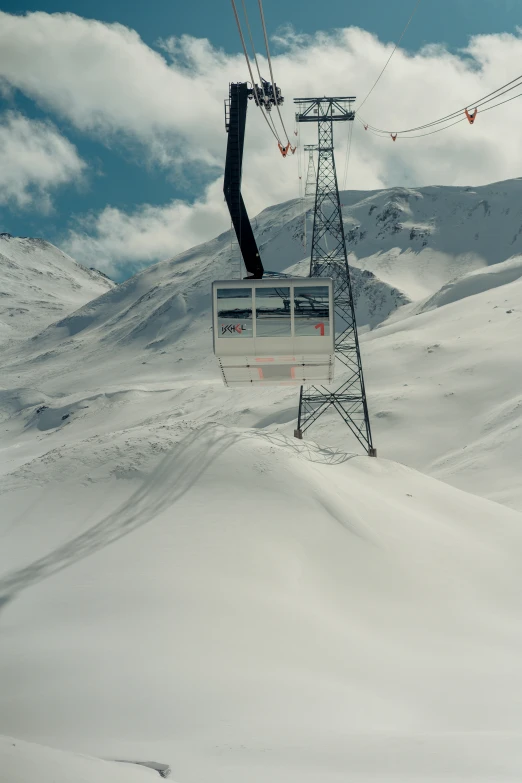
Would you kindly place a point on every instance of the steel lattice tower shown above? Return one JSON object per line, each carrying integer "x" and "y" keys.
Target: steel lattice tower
{"x": 329, "y": 259}
{"x": 311, "y": 177}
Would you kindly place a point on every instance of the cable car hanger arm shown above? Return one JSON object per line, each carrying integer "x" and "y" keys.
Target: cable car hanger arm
{"x": 239, "y": 95}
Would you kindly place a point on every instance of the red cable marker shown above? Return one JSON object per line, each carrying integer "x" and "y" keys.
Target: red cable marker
{"x": 394, "y": 136}
{"x": 471, "y": 117}
{"x": 284, "y": 150}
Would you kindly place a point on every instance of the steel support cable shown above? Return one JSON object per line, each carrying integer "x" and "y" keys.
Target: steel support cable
{"x": 391, "y": 55}
{"x": 517, "y": 82}
{"x": 482, "y": 102}
{"x": 271, "y": 122}
{"x": 267, "y": 115}
{"x": 348, "y": 150}
{"x": 502, "y": 102}
{"x": 386, "y": 134}
{"x": 268, "y": 118}
{"x": 300, "y": 168}
{"x": 272, "y": 130}
{"x": 438, "y": 130}
{"x": 418, "y": 135}
{"x": 271, "y": 126}
{"x": 300, "y": 152}
{"x": 244, "y": 48}
{"x": 260, "y": 3}
{"x": 252, "y": 45}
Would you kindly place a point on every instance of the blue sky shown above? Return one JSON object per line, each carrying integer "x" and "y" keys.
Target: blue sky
{"x": 441, "y": 21}
{"x": 122, "y": 176}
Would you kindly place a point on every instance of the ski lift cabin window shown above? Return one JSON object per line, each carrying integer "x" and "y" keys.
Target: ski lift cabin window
{"x": 271, "y": 333}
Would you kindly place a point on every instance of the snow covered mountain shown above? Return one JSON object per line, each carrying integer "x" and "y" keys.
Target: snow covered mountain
{"x": 155, "y": 328}
{"x": 420, "y": 238}
{"x": 39, "y": 284}
{"x": 181, "y": 579}
{"x": 25, "y": 761}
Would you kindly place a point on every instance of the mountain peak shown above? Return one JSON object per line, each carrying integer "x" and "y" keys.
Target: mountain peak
{"x": 41, "y": 284}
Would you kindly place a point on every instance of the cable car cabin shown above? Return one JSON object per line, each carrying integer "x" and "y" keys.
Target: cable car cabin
{"x": 268, "y": 332}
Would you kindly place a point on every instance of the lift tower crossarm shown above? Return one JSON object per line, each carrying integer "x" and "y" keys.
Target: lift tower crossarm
{"x": 235, "y": 121}
{"x": 332, "y": 109}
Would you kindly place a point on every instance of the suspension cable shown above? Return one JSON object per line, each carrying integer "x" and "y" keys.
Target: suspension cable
{"x": 260, "y": 3}
{"x": 259, "y": 103}
{"x": 391, "y": 55}
{"x": 438, "y": 130}
{"x": 417, "y": 135}
{"x": 501, "y": 102}
{"x": 300, "y": 181}
{"x": 505, "y": 88}
{"x": 244, "y": 48}
{"x": 348, "y": 150}
{"x": 494, "y": 106}
{"x": 271, "y": 123}
{"x": 252, "y": 45}
{"x": 271, "y": 127}
{"x": 268, "y": 116}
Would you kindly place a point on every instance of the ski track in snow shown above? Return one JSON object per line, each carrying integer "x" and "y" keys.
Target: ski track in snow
{"x": 181, "y": 579}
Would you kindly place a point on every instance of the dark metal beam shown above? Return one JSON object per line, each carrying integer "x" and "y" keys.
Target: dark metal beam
{"x": 235, "y": 121}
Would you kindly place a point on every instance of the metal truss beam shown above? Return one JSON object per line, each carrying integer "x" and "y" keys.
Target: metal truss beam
{"x": 311, "y": 176}
{"x": 329, "y": 259}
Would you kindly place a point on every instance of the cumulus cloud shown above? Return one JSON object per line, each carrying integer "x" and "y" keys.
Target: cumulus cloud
{"x": 34, "y": 159}
{"x": 106, "y": 81}
{"x": 114, "y": 239}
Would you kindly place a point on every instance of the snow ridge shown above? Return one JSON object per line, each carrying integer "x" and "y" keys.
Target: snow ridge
{"x": 39, "y": 284}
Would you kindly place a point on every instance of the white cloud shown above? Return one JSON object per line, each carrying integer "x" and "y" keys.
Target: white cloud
{"x": 34, "y": 159}
{"x": 106, "y": 81}
{"x": 112, "y": 238}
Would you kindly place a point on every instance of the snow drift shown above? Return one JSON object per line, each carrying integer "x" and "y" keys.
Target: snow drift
{"x": 25, "y": 761}
{"x": 181, "y": 579}
{"x": 255, "y": 606}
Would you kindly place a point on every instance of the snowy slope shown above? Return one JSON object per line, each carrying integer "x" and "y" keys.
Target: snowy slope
{"x": 475, "y": 282}
{"x": 405, "y": 244}
{"x": 39, "y": 284}
{"x": 420, "y": 238}
{"x": 446, "y": 390}
{"x": 163, "y": 302}
{"x": 438, "y": 384}
{"x": 181, "y": 579}
{"x": 21, "y": 762}
{"x": 245, "y": 606}
{"x": 454, "y": 228}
